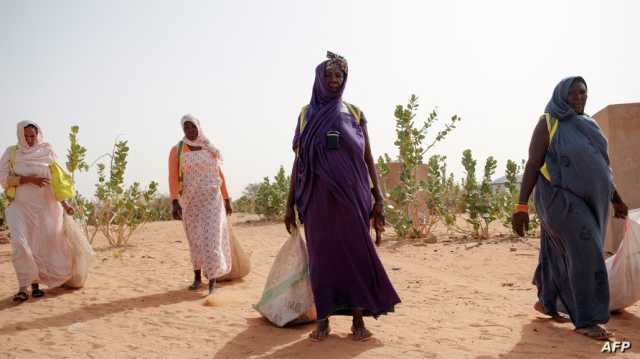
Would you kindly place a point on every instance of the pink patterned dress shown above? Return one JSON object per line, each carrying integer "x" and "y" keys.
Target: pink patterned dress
{"x": 203, "y": 214}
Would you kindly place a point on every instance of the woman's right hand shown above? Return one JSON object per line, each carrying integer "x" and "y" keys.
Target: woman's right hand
{"x": 520, "y": 223}
{"x": 176, "y": 211}
{"x": 34, "y": 180}
{"x": 290, "y": 219}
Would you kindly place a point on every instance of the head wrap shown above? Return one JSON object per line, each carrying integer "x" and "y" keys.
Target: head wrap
{"x": 40, "y": 153}
{"x": 201, "y": 140}
{"x": 558, "y": 105}
{"x": 324, "y": 103}
{"x": 338, "y": 61}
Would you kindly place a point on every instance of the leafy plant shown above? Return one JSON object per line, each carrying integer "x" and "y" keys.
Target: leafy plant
{"x": 509, "y": 195}
{"x": 441, "y": 193}
{"x": 247, "y": 201}
{"x": 160, "y": 208}
{"x": 121, "y": 211}
{"x": 76, "y": 154}
{"x": 406, "y": 210}
{"x": 4, "y": 203}
{"x": 481, "y": 206}
{"x": 271, "y": 197}
{"x": 76, "y": 162}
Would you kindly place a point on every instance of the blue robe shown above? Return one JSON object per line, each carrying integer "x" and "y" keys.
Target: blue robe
{"x": 573, "y": 207}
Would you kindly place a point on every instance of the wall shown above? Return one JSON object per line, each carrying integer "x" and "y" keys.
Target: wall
{"x": 621, "y": 125}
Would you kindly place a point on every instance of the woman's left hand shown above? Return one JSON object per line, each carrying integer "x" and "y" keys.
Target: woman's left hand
{"x": 620, "y": 210}
{"x": 67, "y": 208}
{"x": 227, "y": 206}
{"x": 377, "y": 214}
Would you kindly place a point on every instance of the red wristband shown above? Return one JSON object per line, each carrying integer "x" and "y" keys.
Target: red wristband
{"x": 521, "y": 208}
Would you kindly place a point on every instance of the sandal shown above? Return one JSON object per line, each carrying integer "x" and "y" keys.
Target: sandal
{"x": 320, "y": 335}
{"x": 594, "y": 332}
{"x": 361, "y": 334}
{"x": 37, "y": 293}
{"x": 195, "y": 285}
{"x": 20, "y": 297}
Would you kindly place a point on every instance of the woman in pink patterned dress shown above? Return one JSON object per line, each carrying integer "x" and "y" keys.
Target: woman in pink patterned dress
{"x": 201, "y": 200}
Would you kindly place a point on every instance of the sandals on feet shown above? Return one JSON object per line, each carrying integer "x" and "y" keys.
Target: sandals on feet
{"x": 594, "y": 332}
{"x": 195, "y": 286}
{"x": 20, "y": 297}
{"x": 37, "y": 293}
{"x": 361, "y": 334}
{"x": 320, "y": 335}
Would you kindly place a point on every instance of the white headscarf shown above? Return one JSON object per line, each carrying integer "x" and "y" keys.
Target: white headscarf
{"x": 202, "y": 140}
{"x": 40, "y": 153}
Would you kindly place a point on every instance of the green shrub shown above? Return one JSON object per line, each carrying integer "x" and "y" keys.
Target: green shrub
{"x": 481, "y": 205}
{"x": 4, "y": 203}
{"x": 121, "y": 211}
{"x": 247, "y": 201}
{"x": 406, "y": 209}
{"x": 271, "y": 197}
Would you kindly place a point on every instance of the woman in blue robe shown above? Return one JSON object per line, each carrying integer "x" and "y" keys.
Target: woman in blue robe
{"x": 569, "y": 166}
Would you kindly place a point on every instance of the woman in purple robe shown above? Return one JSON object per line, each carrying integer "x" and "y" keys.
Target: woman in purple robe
{"x": 333, "y": 181}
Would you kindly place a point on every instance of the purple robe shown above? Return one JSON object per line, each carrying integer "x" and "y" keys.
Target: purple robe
{"x": 333, "y": 199}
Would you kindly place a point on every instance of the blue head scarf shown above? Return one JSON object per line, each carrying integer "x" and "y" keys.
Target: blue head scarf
{"x": 558, "y": 105}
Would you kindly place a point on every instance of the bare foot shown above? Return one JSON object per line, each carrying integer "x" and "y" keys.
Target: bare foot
{"x": 321, "y": 332}
{"x": 594, "y": 332}
{"x": 554, "y": 315}
{"x": 539, "y": 308}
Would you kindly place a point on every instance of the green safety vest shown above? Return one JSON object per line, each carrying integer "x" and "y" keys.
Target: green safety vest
{"x": 552, "y": 127}
{"x": 355, "y": 112}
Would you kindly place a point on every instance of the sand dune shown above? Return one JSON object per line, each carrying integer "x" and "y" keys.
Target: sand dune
{"x": 459, "y": 301}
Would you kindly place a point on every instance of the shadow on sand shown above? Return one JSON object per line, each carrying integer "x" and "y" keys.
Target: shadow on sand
{"x": 260, "y": 338}
{"x": 94, "y": 311}
{"x": 543, "y": 338}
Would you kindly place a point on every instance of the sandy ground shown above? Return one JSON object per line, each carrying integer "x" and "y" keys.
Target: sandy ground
{"x": 459, "y": 301}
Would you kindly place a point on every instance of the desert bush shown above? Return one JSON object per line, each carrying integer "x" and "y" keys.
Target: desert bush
{"x": 247, "y": 201}
{"x": 271, "y": 197}
{"x": 4, "y": 203}
{"x": 508, "y": 196}
{"x": 414, "y": 207}
{"x": 116, "y": 212}
{"x": 160, "y": 208}
{"x": 481, "y": 205}
{"x": 85, "y": 209}
{"x": 121, "y": 211}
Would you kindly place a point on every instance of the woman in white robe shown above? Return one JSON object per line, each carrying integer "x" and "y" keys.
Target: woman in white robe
{"x": 201, "y": 201}
{"x": 39, "y": 250}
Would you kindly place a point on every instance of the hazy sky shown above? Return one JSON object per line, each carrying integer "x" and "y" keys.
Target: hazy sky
{"x": 245, "y": 68}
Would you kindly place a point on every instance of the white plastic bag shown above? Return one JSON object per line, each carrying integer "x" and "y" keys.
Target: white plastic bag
{"x": 287, "y": 296}
{"x": 81, "y": 252}
{"x": 623, "y": 267}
